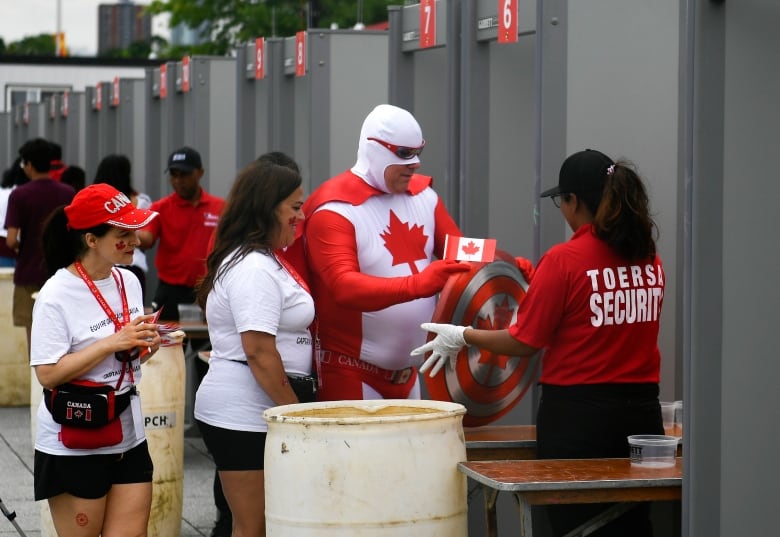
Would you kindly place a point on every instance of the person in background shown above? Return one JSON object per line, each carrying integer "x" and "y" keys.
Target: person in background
{"x": 74, "y": 176}
{"x": 116, "y": 170}
{"x": 28, "y": 206}
{"x": 89, "y": 328}
{"x": 12, "y": 177}
{"x": 259, "y": 310}
{"x": 56, "y": 166}
{"x": 594, "y": 305}
{"x": 371, "y": 233}
{"x": 182, "y": 232}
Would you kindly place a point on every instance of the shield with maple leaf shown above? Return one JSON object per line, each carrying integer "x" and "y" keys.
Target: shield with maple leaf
{"x": 489, "y": 385}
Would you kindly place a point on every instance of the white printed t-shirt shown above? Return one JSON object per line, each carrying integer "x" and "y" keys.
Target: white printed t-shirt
{"x": 256, "y": 294}
{"x": 68, "y": 318}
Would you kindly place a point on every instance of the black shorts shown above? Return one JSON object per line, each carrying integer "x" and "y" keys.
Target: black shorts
{"x": 234, "y": 450}
{"x": 90, "y": 476}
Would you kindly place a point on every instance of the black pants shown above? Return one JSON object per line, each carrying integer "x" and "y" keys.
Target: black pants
{"x": 588, "y": 422}
{"x": 169, "y": 296}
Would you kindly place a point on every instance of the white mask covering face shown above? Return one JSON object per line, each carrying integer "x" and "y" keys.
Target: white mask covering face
{"x": 392, "y": 125}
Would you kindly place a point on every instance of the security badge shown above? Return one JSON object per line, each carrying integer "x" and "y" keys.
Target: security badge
{"x": 489, "y": 385}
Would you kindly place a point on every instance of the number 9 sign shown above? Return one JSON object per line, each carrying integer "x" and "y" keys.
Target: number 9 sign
{"x": 507, "y": 21}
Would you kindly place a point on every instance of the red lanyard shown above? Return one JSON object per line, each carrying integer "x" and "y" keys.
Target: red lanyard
{"x": 314, "y": 328}
{"x": 120, "y": 285}
{"x": 294, "y": 273}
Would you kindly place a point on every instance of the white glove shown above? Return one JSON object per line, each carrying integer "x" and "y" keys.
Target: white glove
{"x": 446, "y": 345}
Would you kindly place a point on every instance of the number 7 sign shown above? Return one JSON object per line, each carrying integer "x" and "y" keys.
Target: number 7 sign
{"x": 427, "y": 23}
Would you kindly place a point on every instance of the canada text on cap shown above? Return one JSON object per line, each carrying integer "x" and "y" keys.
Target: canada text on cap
{"x": 103, "y": 204}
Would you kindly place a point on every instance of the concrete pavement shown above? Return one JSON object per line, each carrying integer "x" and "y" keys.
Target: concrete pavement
{"x": 16, "y": 480}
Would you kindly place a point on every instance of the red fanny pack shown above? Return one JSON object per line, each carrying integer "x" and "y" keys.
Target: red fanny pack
{"x": 88, "y": 412}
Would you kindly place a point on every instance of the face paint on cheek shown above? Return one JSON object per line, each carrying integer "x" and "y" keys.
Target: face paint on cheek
{"x": 120, "y": 245}
{"x": 82, "y": 519}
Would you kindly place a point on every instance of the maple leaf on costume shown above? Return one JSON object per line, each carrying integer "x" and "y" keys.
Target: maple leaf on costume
{"x": 406, "y": 244}
{"x": 502, "y": 317}
{"x": 470, "y": 248}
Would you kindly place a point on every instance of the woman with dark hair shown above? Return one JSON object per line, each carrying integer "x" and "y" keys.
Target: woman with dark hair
{"x": 89, "y": 338}
{"x": 116, "y": 170}
{"x": 594, "y": 306}
{"x": 258, "y": 310}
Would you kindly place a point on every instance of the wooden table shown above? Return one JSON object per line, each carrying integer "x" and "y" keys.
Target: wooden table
{"x": 513, "y": 442}
{"x": 500, "y": 442}
{"x": 194, "y": 329}
{"x": 544, "y": 482}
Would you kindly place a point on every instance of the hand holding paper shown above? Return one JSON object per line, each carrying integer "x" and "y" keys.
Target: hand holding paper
{"x": 445, "y": 346}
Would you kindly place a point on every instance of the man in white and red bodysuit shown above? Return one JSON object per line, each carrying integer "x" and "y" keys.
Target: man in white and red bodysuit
{"x": 370, "y": 235}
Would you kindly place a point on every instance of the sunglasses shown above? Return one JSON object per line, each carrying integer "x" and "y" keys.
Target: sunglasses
{"x": 400, "y": 151}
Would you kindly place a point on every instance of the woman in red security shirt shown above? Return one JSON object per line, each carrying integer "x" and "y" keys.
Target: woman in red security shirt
{"x": 594, "y": 306}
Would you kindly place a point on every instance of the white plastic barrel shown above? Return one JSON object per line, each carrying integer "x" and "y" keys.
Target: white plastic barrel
{"x": 36, "y": 394}
{"x": 162, "y": 401}
{"x": 377, "y": 468}
{"x": 14, "y": 362}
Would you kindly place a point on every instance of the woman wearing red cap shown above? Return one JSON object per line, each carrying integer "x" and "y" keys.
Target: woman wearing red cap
{"x": 594, "y": 306}
{"x": 89, "y": 337}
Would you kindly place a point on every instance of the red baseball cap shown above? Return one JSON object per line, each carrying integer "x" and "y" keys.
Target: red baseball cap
{"x": 103, "y": 204}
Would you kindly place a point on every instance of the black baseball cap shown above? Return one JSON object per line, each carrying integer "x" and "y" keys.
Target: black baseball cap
{"x": 584, "y": 171}
{"x": 185, "y": 159}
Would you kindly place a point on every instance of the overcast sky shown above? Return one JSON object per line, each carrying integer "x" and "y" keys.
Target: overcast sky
{"x": 22, "y": 18}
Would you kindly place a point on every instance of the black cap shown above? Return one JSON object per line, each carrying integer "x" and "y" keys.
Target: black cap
{"x": 584, "y": 171}
{"x": 185, "y": 159}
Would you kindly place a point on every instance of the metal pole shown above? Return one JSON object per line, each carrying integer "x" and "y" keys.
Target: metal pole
{"x": 11, "y": 518}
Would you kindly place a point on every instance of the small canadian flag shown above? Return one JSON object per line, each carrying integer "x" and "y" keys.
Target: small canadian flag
{"x": 469, "y": 249}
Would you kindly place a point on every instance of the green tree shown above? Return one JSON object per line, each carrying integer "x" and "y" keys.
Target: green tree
{"x": 229, "y": 23}
{"x": 37, "y": 45}
{"x": 137, "y": 49}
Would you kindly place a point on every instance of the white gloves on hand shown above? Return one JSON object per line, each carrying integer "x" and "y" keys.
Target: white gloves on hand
{"x": 446, "y": 345}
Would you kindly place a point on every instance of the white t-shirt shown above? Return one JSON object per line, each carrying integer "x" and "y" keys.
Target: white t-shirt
{"x": 256, "y": 294}
{"x": 139, "y": 256}
{"x": 5, "y": 193}
{"x": 67, "y": 318}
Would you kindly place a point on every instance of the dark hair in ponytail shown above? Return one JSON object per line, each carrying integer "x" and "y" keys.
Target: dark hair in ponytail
{"x": 62, "y": 245}
{"x": 623, "y": 217}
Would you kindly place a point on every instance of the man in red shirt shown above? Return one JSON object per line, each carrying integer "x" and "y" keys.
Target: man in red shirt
{"x": 183, "y": 231}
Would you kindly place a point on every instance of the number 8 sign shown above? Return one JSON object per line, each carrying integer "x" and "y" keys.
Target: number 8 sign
{"x": 300, "y": 53}
{"x": 507, "y": 21}
{"x": 259, "y": 57}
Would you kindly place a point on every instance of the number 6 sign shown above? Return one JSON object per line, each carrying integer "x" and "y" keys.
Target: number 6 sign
{"x": 507, "y": 21}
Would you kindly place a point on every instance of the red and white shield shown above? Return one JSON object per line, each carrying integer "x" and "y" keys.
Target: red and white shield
{"x": 489, "y": 385}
